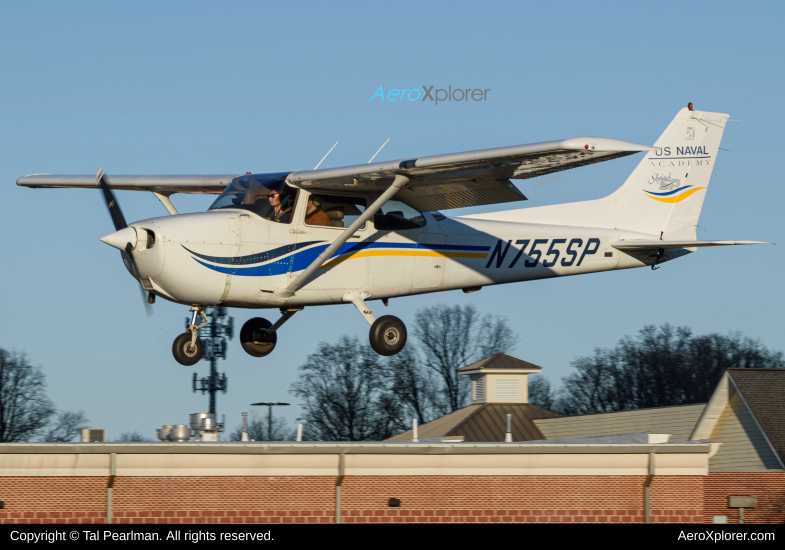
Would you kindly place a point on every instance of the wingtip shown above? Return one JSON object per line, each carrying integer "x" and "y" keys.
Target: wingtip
{"x": 20, "y": 183}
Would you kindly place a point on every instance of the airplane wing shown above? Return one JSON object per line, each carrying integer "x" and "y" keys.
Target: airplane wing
{"x": 211, "y": 183}
{"x": 634, "y": 244}
{"x": 473, "y": 178}
{"x": 439, "y": 182}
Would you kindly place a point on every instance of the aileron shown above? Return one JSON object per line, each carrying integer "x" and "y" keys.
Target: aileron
{"x": 207, "y": 183}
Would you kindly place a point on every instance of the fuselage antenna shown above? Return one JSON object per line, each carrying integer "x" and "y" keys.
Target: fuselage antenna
{"x": 325, "y": 156}
{"x": 379, "y": 151}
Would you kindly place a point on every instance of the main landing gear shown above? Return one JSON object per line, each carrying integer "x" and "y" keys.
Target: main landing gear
{"x": 388, "y": 333}
{"x": 258, "y": 336}
{"x": 188, "y": 348}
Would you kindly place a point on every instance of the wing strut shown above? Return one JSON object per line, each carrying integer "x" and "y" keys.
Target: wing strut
{"x": 288, "y": 292}
{"x": 164, "y": 198}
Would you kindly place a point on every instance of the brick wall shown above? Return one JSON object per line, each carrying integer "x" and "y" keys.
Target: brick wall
{"x": 224, "y": 500}
{"x": 614, "y": 499}
{"x": 537, "y": 499}
{"x": 53, "y": 499}
{"x": 429, "y": 499}
{"x": 768, "y": 487}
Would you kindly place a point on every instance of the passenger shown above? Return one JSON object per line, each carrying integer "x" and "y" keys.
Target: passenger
{"x": 313, "y": 214}
{"x": 278, "y": 213}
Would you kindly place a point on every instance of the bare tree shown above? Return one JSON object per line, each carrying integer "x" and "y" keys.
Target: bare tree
{"x": 25, "y": 409}
{"x": 258, "y": 429}
{"x": 540, "y": 392}
{"x": 132, "y": 437}
{"x": 659, "y": 367}
{"x": 26, "y": 412}
{"x": 453, "y": 337}
{"x": 341, "y": 387}
{"x": 495, "y": 336}
{"x": 414, "y": 387}
{"x": 65, "y": 427}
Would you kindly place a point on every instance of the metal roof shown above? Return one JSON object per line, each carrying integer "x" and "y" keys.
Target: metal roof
{"x": 484, "y": 423}
{"x": 439, "y": 427}
{"x": 500, "y": 361}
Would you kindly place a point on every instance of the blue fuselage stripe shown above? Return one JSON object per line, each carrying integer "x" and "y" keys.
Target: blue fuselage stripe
{"x": 297, "y": 261}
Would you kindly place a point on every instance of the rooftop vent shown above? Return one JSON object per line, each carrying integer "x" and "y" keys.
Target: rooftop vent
{"x": 93, "y": 436}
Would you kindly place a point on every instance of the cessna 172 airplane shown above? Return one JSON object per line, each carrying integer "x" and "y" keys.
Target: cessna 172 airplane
{"x": 373, "y": 231}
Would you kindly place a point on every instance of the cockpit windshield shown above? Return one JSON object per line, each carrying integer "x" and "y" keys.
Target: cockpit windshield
{"x": 266, "y": 195}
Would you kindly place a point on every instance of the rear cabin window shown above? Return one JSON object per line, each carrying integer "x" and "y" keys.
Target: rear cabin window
{"x": 333, "y": 210}
{"x": 395, "y": 215}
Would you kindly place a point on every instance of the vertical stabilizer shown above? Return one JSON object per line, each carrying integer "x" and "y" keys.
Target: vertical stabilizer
{"x": 665, "y": 193}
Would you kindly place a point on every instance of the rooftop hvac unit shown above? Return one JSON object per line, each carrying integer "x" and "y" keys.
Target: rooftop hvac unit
{"x": 93, "y": 436}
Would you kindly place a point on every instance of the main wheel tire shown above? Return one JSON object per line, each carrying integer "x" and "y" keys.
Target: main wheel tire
{"x": 186, "y": 354}
{"x": 388, "y": 335}
{"x": 258, "y": 345}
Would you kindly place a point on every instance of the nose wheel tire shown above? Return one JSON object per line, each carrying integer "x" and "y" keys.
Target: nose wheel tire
{"x": 184, "y": 353}
{"x": 255, "y": 339}
{"x": 388, "y": 335}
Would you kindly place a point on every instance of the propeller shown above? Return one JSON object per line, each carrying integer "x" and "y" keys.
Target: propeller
{"x": 119, "y": 223}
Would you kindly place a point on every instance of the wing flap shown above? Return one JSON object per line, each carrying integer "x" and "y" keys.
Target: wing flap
{"x": 472, "y": 178}
{"x": 634, "y": 244}
{"x": 460, "y": 194}
{"x": 209, "y": 183}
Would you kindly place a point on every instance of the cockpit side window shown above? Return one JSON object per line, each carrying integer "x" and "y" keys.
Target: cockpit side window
{"x": 266, "y": 195}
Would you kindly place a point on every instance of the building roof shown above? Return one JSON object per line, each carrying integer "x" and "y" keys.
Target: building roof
{"x": 484, "y": 422}
{"x": 500, "y": 361}
{"x": 729, "y": 417}
{"x": 764, "y": 392}
{"x": 439, "y": 427}
{"x": 678, "y": 421}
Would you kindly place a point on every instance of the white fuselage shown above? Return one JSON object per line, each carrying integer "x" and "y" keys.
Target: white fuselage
{"x": 235, "y": 258}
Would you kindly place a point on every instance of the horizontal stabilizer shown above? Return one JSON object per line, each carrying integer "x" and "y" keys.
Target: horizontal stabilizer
{"x": 635, "y": 244}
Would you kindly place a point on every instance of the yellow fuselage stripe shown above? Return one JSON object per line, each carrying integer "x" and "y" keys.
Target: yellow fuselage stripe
{"x": 426, "y": 253}
{"x": 677, "y": 198}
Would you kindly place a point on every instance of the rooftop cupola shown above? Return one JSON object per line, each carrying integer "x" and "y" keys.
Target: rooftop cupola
{"x": 500, "y": 379}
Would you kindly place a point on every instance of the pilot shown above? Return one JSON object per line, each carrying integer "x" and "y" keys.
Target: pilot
{"x": 278, "y": 213}
{"x": 313, "y": 214}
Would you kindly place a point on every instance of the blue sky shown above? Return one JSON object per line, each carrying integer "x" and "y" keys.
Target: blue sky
{"x": 197, "y": 87}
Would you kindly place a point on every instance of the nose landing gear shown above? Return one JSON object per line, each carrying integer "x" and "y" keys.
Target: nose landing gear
{"x": 188, "y": 348}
